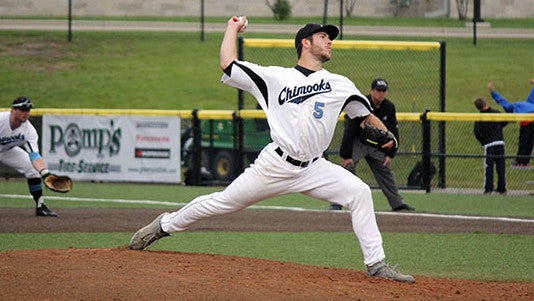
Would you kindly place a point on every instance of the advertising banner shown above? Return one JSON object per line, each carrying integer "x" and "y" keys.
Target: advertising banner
{"x": 113, "y": 148}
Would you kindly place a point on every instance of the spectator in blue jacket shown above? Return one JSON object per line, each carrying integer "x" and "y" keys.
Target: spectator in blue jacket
{"x": 526, "y": 128}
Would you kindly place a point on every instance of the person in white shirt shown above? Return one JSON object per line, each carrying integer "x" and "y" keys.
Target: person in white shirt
{"x": 19, "y": 150}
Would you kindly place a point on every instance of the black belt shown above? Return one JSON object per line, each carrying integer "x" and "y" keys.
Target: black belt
{"x": 295, "y": 162}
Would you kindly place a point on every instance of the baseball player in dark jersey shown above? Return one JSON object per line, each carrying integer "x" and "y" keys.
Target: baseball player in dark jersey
{"x": 302, "y": 105}
{"x": 19, "y": 149}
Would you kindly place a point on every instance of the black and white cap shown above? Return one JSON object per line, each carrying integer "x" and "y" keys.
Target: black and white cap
{"x": 311, "y": 28}
{"x": 22, "y": 103}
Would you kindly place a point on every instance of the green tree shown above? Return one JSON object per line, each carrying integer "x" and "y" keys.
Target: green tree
{"x": 281, "y": 9}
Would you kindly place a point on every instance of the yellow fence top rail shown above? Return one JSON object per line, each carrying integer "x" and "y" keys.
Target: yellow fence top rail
{"x": 216, "y": 114}
{"x": 40, "y": 112}
{"x": 251, "y": 114}
{"x": 510, "y": 117}
{"x": 347, "y": 44}
{"x": 413, "y": 117}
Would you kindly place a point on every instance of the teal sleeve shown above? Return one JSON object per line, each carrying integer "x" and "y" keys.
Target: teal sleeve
{"x": 34, "y": 156}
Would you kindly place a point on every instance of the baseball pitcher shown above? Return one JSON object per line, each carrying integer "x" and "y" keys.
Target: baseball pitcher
{"x": 302, "y": 105}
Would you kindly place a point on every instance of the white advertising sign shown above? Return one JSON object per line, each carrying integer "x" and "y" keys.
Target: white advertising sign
{"x": 113, "y": 148}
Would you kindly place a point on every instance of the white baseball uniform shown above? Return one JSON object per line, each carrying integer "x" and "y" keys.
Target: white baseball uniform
{"x": 302, "y": 109}
{"x": 10, "y": 140}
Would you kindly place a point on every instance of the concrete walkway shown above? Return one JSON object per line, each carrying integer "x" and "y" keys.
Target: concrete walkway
{"x": 483, "y": 30}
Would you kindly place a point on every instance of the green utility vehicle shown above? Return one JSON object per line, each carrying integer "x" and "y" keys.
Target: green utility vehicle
{"x": 220, "y": 151}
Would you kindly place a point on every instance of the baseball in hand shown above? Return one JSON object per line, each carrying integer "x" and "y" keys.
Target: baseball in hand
{"x": 245, "y": 25}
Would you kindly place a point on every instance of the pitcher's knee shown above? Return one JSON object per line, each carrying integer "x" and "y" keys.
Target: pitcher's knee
{"x": 360, "y": 195}
{"x": 358, "y": 188}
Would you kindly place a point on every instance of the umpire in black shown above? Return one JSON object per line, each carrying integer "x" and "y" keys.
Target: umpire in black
{"x": 490, "y": 135}
{"x": 352, "y": 150}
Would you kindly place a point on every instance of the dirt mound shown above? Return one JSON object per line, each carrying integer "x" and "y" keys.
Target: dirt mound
{"x": 121, "y": 274}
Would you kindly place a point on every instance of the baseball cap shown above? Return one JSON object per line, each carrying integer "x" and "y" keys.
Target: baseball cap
{"x": 311, "y": 28}
{"x": 22, "y": 103}
{"x": 379, "y": 84}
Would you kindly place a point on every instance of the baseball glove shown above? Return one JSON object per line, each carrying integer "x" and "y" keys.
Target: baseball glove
{"x": 377, "y": 138}
{"x": 58, "y": 183}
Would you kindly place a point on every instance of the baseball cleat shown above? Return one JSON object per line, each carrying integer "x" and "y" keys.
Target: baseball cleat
{"x": 404, "y": 207}
{"x": 147, "y": 235}
{"x": 334, "y": 206}
{"x": 44, "y": 211}
{"x": 383, "y": 270}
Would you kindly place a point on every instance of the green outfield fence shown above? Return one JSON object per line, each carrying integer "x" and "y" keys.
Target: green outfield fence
{"x": 462, "y": 157}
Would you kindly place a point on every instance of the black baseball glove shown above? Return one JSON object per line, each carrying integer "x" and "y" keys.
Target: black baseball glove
{"x": 376, "y": 138}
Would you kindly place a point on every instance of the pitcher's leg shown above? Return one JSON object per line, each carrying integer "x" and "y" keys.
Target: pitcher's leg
{"x": 332, "y": 183}
{"x": 267, "y": 177}
{"x": 244, "y": 191}
{"x": 364, "y": 224}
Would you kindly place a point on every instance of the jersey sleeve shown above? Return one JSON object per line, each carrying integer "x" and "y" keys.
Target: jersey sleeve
{"x": 357, "y": 106}
{"x": 32, "y": 140}
{"x": 248, "y": 77}
{"x": 508, "y": 107}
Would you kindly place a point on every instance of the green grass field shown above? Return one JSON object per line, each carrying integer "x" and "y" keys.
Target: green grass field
{"x": 474, "y": 255}
{"x": 166, "y": 70}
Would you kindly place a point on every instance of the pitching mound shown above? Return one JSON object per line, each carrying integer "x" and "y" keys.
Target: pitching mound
{"x": 120, "y": 274}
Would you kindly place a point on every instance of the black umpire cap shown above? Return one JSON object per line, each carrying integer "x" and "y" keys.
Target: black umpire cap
{"x": 311, "y": 28}
{"x": 22, "y": 103}
{"x": 379, "y": 84}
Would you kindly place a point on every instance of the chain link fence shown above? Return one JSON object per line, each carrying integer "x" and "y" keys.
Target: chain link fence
{"x": 454, "y": 163}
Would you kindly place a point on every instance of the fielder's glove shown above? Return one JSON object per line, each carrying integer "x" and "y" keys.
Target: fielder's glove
{"x": 377, "y": 138}
{"x": 56, "y": 183}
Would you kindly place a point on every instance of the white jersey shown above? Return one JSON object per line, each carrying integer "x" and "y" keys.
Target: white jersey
{"x": 25, "y": 135}
{"x": 302, "y": 106}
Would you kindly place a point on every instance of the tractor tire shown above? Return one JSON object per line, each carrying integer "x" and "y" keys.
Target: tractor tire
{"x": 224, "y": 166}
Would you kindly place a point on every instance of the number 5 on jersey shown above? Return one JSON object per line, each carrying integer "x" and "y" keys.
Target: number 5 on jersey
{"x": 318, "y": 110}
